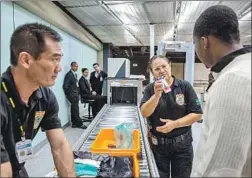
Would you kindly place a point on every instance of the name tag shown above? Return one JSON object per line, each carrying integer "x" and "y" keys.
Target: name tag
{"x": 24, "y": 150}
{"x": 101, "y": 79}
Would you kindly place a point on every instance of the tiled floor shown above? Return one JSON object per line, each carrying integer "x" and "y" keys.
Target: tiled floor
{"x": 42, "y": 163}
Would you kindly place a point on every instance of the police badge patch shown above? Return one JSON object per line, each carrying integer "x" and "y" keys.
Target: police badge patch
{"x": 38, "y": 118}
{"x": 180, "y": 100}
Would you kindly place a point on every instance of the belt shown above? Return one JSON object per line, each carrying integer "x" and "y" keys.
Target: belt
{"x": 164, "y": 140}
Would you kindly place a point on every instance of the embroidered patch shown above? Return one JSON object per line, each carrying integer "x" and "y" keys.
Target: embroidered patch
{"x": 38, "y": 118}
{"x": 180, "y": 100}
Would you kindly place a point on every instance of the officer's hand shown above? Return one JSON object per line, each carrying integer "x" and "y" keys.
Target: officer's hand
{"x": 93, "y": 93}
{"x": 158, "y": 88}
{"x": 168, "y": 127}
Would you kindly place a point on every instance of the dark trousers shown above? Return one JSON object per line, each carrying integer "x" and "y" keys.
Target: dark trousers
{"x": 75, "y": 116}
{"x": 175, "y": 158}
{"x": 97, "y": 104}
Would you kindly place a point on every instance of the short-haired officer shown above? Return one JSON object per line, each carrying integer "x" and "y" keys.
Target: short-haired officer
{"x": 26, "y": 103}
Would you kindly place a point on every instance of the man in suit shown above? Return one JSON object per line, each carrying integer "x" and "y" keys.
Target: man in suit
{"x": 71, "y": 91}
{"x": 96, "y": 78}
{"x": 87, "y": 93}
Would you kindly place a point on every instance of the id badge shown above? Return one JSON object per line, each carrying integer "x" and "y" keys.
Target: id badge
{"x": 101, "y": 79}
{"x": 24, "y": 150}
{"x": 154, "y": 140}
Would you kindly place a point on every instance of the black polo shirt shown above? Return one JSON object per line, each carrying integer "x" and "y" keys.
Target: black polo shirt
{"x": 182, "y": 100}
{"x": 41, "y": 111}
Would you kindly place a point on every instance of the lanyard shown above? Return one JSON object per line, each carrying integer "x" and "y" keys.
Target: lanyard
{"x": 14, "y": 108}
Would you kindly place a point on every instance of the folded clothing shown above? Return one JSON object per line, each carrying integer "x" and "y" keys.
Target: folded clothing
{"x": 108, "y": 166}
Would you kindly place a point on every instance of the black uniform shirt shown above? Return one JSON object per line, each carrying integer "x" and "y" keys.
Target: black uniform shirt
{"x": 41, "y": 111}
{"x": 182, "y": 100}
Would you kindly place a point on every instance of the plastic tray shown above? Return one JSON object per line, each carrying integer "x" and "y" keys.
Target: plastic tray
{"x": 105, "y": 140}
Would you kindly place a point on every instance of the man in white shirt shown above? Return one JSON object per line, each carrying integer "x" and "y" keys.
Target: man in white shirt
{"x": 224, "y": 148}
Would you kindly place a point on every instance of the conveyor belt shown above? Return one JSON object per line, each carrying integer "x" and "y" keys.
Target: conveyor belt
{"x": 109, "y": 117}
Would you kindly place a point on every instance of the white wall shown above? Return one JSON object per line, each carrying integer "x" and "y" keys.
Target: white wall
{"x": 177, "y": 69}
{"x": 201, "y": 72}
{"x": 73, "y": 50}
{"x": 100, "y": 58}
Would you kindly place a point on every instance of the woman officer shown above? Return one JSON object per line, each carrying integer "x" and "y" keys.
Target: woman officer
{"x": 170, "y": 116}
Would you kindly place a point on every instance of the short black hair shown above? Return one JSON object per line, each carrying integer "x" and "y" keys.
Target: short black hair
{"x": 84, "y": 69}
{"x": 221, "y": 22}
{"x": 30, "y": 38}
{"x": 72, "y": 63}
{"x": 95, "y": 64}
{"x": 155, "y": 57}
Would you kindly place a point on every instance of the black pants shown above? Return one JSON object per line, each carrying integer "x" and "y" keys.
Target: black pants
{"x": 97, "y": 104}
{"x": 75, "y": 116}
{"x": 174, "y": 158}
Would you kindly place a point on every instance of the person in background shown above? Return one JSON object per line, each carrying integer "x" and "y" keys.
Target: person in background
{"x": 87, "y": 93}
{"x": 224, "y": 148}
{"x": 96, "y": 79}
{"x": 27, "y": 104}
{"x": 71, "y": 90}
{"x": 170, "y": 116}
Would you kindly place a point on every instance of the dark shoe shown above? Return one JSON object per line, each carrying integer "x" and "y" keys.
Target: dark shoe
{"x": 79, "y": 126}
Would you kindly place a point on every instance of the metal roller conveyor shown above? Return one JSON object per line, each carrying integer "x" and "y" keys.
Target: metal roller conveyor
{"x": 109, "y": 117}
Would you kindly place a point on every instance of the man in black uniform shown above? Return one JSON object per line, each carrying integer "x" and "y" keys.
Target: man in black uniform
{"x": 170, "y": 116}
{"x": 96, "y": 79}
{"x": 26, "y": 105}
{"x": 71, "y": 90}
{"x": 87, "y": 93}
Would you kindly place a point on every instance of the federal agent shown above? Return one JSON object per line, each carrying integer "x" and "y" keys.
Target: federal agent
{"x": 170, "y": 116}
{"x": 27, "y": 105}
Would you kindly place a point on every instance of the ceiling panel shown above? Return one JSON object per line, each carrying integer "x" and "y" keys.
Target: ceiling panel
{"x": 190, "y": 10}
{"x": 237, "y": 6}
{"x": 116, "y": 30}
{"x": 165, "y": 30}
{"x": 98, "y": 30}
{"x": 160, "y": 12}
{"x": 139, "y": 29}
{"x": 246, "y": 17}
{"x": 159, "y": 38}
{"x": 117, "y": 2}
{"x": 94, "y": 15}
{"x": 130, "y": 13}
{"x": 138, "y": 15}
{"x": 78, "y": 3}
{"x": 185, "y": 28}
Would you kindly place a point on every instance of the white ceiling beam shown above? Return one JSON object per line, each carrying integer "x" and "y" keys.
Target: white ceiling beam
{"x": 177, "y": 15}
